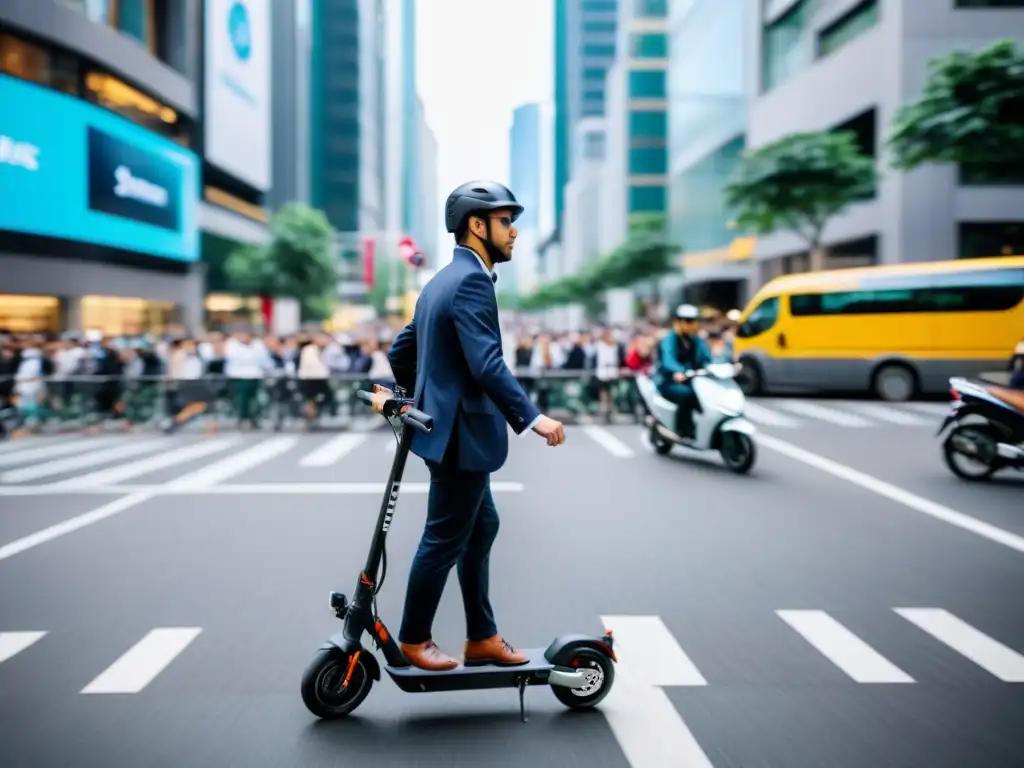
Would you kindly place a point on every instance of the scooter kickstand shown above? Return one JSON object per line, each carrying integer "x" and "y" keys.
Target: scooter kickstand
{"x": 522, "y": 701}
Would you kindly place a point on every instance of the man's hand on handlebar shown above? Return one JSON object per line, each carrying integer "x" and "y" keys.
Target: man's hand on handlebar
{"x": 551, "y": 430}
{"x": 380, "y": 396}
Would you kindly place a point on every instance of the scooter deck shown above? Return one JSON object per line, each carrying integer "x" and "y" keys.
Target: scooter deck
{"x": 463, "y": 678}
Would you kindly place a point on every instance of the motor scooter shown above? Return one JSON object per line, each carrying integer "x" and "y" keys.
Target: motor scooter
{"x": 989, "y": 431}
{"x": 719, "y": 421}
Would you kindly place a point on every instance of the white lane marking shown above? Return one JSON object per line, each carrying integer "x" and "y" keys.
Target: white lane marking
{"x": 227, "y": 468}
{"x": 843, "y": 648}
{"x": 333, "y": 450}
{"x": 64, "y": 527}
{"x": 989, "y": 654}
{"x": 887, "y": 413}
{"x": 141, "y": 663}
{"x": 935, "y": 410}
{"x": 255, "y": 489}
{"x": 609, "y": 442}
{"x": 894, "y": 493}
{"x": 652, "y": 653}
{"x": 13, "y": 643}
{"x": 815, "y": 411}
{"x": 648, "y": 727}
{"x": 63, "y": 448}
{"x": 115, "y": 475}
{"x": 60, "y": 466}
{"x": 759, "y": 414}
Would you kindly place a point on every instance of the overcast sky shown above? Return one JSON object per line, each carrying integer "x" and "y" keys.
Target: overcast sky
{"x": 477, "y": 60}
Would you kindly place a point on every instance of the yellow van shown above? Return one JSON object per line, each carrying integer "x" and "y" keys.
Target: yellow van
{"x": 895, "y": 331}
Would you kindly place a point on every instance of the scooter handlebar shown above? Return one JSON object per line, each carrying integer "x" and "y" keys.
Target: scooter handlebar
{"x": 410, "y": 416}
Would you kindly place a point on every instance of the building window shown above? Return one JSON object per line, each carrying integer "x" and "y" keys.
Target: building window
{"x": 863, "y": 126}
{"x": 650, "y": 9}
{"x": 647, "y": 199}
{"x": 599, "y": 51}
{"x": 988, "y": 291}
{"x": 594, "y": 73}
{"x": 593, "y": 146}
{"x": 646, "y": 161}
{"x": 136, "y": 19}
{"x": 116, "y": 95}
{"x": 97, "y": 11}
{"x": 649, "y": 46}
{"x": 600, "y": 5}
{"x": 593, "y": 108}
{"x": 981, "y": 240}
{"x": 24, "y": 60}
{"x": 788, "y": 44}
{"x": 46, "y": 66}
{"x": 652, "y": 125}
{"x": 850, "y": 26}
{"x": 647, "y": 84}
{"x": 991, "y": 174}
{"x": 29, "y": 314}
{"x": 599, "y": 27}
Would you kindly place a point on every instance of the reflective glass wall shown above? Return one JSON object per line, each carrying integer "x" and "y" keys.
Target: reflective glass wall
{"x": 707, "y": 117}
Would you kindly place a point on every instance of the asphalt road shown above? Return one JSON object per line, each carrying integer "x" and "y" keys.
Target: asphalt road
{"x": 835, "y": 608}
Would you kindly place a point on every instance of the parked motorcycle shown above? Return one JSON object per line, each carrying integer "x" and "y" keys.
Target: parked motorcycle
{"x": 989, "y": 430}
{"x": 719, "y": 423}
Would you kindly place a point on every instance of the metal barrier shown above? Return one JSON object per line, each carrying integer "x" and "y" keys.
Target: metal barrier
{"x": 73, "y": 402}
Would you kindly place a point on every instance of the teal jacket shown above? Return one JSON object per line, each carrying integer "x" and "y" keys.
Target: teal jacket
{"x": 669, "y": 362}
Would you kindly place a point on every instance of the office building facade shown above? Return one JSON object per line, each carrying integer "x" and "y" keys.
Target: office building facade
{"x": 103, "y": 154}
{"x": 348, "y": 114}
{"x": 707, "y": 119}
{"x": 585, "y": 47}
{"x": 850, "y": 64}
{"x": 525, "y": 143}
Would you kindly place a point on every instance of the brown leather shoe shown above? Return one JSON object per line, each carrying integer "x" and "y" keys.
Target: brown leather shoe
{"x": 493, "y": 650}
{"x": 428, "y": 656}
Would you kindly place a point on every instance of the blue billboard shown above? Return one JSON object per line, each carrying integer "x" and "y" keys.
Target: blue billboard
{"x": 72, "y": 170}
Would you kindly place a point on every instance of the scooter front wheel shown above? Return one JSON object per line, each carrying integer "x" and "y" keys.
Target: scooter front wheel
{"x": 738, "y": 452}
{"x": 332, "y": 686}
{"x": 600, "y": 673}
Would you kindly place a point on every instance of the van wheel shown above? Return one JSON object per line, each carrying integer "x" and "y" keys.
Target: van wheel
{"x": 750, "y": 379}
{"x": 894, "y": 383}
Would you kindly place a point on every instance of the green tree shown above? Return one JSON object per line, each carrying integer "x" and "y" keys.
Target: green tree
{"x": 799, "y": 183}
{"x": 643, "y": 257}
{"x": 298, "y": 262}
{"x": 971, "y": 111}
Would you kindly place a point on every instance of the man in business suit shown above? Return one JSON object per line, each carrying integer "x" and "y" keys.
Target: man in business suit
{"x": 450, "y": 357}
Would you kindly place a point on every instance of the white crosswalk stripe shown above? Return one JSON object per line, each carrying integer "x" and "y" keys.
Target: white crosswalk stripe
{"x": 989, "y": 654}
{"x": 330, "y": 452}
{"x": 760, "y": 414}
{"x": 823, "y": 413}
{"x": 141, "y": 664}
{"x": 651, "y": 652}
{"x": 843, "y": 648}
{"x": 13, "y": 643}
{"x": 67, "y": 464}
{"x": 892, "y": 415}
{"x": 109, "y": 461}
{"x": 122, "y": 472}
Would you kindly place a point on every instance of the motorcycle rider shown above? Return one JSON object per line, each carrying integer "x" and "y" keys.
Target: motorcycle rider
{"x": 680, "y": 353}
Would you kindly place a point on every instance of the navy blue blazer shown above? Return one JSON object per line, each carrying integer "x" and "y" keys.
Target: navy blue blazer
{"x": 450, "y": 356}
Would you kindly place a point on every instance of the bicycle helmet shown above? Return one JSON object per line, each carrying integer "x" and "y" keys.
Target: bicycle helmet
{"x": 687, "y": 312}
{"x": 476, "y": 197}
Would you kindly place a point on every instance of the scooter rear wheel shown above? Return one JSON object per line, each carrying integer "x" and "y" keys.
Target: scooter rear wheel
{"x": 323, "y": 689}
{"x": 600, "y": 673}
{"x": 974, "y": 442}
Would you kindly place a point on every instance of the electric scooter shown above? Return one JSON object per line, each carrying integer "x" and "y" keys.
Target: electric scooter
{"x": 719, "y": 422}
{"x": 579, "y": 668}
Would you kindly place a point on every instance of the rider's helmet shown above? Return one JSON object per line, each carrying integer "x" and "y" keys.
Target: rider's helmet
{"x": 687, "y": 312}
{"x": 477, "y": 197}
